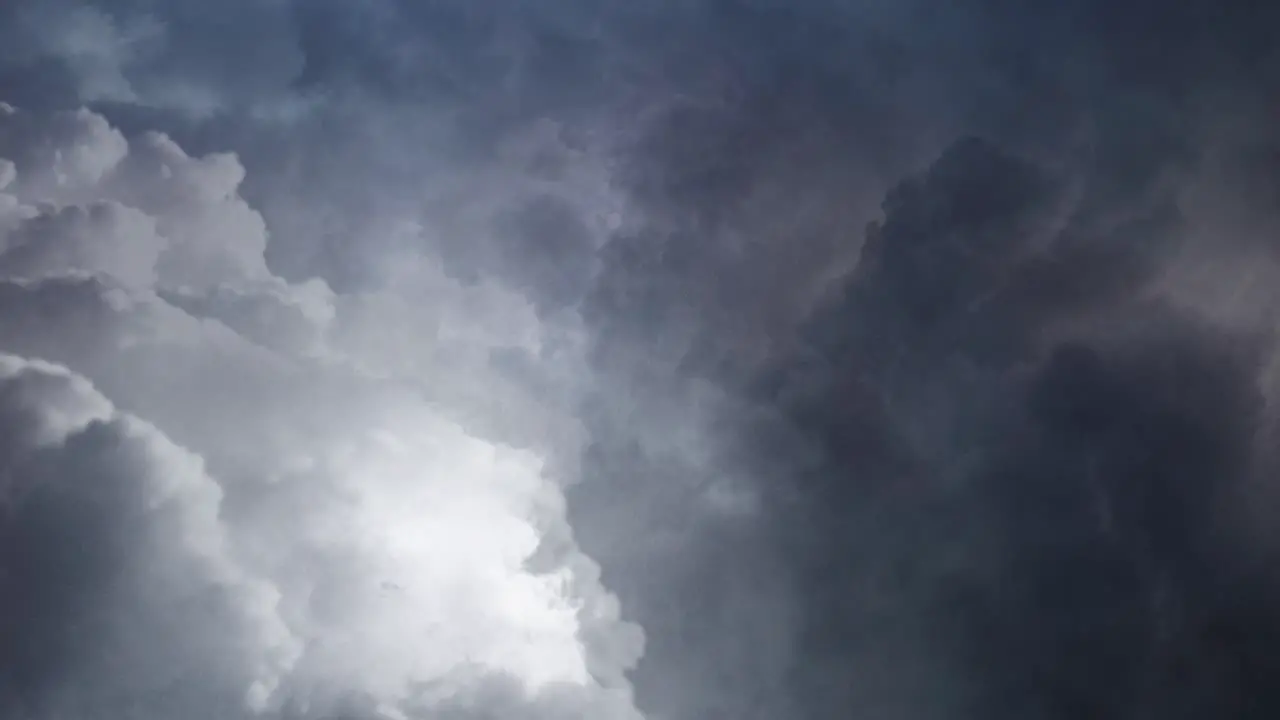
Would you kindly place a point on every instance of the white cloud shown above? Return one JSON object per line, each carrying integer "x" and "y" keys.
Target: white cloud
{"x": 104, "y": 237}
{"x": 61, "y": 156}
{"x": 315, "y": 534}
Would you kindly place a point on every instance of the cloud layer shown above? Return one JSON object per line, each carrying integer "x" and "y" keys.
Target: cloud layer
{"x": 877, "y": 359}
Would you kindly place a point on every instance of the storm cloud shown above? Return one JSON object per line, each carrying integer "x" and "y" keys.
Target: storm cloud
{"x": 728, "y": 358}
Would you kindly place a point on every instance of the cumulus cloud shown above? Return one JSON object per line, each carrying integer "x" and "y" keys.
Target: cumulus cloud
{"x": 123, "y": 594}
{"x": 295, "y": 527}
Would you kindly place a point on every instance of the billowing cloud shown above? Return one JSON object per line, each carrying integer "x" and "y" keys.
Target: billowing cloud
{"x": 883, "y": 358}
{"x": 295, "y": 526}
{"x": 122, "y": 590}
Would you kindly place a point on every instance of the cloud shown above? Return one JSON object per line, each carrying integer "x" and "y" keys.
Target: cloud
{"x": 121, "y": 587}
{"x": 1043, "y": 441}
{"x": 815, "y": 331}
{"x": 174, "y": 59}
{"x": 1005, "y": 459}
{"x": 872, "y": 387}
{"x": 295, "y": 528}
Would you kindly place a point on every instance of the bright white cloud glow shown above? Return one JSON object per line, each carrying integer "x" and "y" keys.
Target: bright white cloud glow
{"x": 290, "y": 528}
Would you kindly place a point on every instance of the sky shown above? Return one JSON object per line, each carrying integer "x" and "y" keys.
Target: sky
{"x": 648, "y": 360}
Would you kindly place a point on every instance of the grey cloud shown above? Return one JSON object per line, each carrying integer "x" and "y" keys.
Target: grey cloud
{"x": 188, "y": 57}
{"x": 120, "y": 587}
{"x": 884, "y": 377}
{"x": 949, "y": 530}
{"x": 823, "y": 466}
{"x": 922, "y": 412}
{"x": 107, "y": 237}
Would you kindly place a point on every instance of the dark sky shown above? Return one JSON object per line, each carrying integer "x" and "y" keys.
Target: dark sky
{"x": 679, "y": 360}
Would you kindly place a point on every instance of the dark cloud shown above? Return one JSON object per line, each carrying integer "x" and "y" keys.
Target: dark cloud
{"x": 905, "y": 360}
{"x": 936, "y": 515}
{"x": 1012, "y": 501}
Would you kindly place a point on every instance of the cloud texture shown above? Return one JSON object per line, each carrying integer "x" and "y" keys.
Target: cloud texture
{"x": 713, "y": 359}
{"x": 297, "y": 528}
